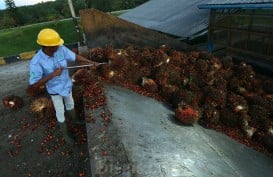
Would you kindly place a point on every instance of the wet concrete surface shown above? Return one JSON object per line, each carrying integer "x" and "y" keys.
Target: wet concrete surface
{"x": 157, "y": 145}
{"x": 13, "y": 76}
{"x": 24, "y": 148}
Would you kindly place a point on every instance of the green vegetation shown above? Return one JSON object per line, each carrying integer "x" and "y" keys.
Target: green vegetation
{"x": 23, "y": 39}
{"x": 47, "y": 14}
{"x": 55, "y": 10}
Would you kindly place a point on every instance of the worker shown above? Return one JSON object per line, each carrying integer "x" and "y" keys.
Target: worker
{"x": 47, "y": 67}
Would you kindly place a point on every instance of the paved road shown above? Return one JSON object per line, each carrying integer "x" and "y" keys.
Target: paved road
{"x": 13, "y": 78}
{"x": 23, "y": 134}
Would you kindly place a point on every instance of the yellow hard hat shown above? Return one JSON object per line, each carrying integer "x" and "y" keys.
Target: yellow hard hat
{"x": 49, "y": 37}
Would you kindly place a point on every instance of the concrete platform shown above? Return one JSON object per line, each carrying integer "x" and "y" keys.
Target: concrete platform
{"x": 143, "y": 139}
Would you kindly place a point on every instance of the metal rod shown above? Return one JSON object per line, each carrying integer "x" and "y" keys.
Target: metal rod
{"x": 71, "y": 8}
{"x": 75, "y": 21}
{"x": 82, "y": 66}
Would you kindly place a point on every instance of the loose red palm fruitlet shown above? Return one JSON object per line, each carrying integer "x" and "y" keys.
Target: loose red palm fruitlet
{"x": 13, "y": 102}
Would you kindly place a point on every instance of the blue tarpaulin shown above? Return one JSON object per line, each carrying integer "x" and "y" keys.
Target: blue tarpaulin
{"x": 180, "y": 18}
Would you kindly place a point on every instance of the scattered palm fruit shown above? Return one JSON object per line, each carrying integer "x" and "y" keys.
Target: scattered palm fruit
{"x": 13, "y": 102}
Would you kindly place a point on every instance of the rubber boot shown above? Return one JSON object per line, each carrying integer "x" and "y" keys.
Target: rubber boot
{"x": 65, "y": 132}
{"x": 74, "y": 118}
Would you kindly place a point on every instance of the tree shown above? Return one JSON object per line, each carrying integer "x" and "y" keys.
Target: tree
{"x": 78, "y": 5}
{"x": 124, "y": 4}
{"x": 103, "y": 5}
{"x": 12, "y": 12}
{"x": 10, "y": 5}
{"x": 88, "y": 3}
{"x": 61, "y": 7}
{"x": 53, "y": 10}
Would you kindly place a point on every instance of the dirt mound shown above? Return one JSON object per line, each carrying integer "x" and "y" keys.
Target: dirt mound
{"x": 102, "y": 29}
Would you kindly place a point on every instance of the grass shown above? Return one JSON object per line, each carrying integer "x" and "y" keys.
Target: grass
{"x": 23, "y": 39}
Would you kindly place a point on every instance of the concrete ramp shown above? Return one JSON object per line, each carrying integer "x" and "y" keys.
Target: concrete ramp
{"x": 151, "y": 143}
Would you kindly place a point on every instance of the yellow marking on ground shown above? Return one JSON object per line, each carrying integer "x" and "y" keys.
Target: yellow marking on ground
{"x": 27, "y": 55}
{"x": 2, "y": 61}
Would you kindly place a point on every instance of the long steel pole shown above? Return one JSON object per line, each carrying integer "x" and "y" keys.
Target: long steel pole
{"x": 71, "y": 8}
{"x": 80, "y": 37}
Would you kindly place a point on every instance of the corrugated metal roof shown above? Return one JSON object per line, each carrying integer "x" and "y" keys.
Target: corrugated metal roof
{"x": 238, "y": 1}
{"x": 242, "y": 4}
{"x": 177, "y": 17}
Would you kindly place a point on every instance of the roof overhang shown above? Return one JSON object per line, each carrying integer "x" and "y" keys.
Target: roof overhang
{"x": 237, "y": 6}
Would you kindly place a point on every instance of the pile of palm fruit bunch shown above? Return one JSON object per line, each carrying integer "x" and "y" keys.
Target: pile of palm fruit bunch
{"x": 42, "y": 107}
{"x": 12, "y": 102}
{"x": 35, "y": 90}
{"x": 216, "y": 93}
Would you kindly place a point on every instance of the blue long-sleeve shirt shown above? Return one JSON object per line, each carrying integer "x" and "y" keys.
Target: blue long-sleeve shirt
{"x": 42, "y": 65}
